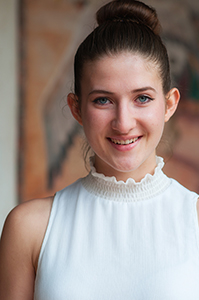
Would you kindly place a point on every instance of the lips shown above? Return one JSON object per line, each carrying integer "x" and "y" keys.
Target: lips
{"x": 124, "y": 142}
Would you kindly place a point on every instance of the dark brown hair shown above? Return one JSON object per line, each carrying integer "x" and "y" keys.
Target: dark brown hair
{"x": 124, "y": 25}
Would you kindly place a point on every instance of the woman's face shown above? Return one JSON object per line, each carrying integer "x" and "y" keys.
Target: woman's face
{"x": 123, "y": 111}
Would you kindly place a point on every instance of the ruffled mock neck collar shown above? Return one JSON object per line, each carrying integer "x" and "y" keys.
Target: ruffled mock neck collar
{"x": 109, "y": 188}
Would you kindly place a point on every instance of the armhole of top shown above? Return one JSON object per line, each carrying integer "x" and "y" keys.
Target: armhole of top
{"x": 196, "y": 219}
{"x": 48, "y": 229}
{"x": 197, "y": 210}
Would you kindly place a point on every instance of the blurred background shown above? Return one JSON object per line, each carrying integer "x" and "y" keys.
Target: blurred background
{"x": 40, "y": 143}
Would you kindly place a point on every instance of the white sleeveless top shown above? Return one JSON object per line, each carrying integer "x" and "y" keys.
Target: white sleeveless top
{"x": 109, "y": 240}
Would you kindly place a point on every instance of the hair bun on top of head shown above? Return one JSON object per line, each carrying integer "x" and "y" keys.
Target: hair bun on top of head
{"x": 129, "y": 10}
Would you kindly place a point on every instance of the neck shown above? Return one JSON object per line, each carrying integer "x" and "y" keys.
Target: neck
{"x": 138, "y": 173}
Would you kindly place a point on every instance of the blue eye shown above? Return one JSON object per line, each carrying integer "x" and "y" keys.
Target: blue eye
{"x": 101, "y": 101}
{"x": 144, "y": 99}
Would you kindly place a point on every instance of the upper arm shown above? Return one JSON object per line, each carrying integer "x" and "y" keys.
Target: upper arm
{"x": 19, "y": 248}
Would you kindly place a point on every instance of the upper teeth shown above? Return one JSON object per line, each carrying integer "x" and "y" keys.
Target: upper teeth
{"x": 122, "y": 142}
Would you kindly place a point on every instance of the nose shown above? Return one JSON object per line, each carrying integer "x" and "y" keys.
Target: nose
{"x": 124, "y": 119}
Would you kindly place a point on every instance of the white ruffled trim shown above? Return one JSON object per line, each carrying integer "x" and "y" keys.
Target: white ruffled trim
{"x": 130, "y": 191}
{"x": 130, "y": 181}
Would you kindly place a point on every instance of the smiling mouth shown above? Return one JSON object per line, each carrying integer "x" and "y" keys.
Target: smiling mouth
{"x": 122, "y": 142}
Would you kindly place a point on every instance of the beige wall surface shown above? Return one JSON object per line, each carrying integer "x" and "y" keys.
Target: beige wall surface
{"x": 8, "y": 107}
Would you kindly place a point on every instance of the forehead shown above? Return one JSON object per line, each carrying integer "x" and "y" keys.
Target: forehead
{"x": 120, "y": 70}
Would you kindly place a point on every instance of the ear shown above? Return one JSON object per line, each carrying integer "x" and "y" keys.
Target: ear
{"x": 72, "y": 100}
{"x": 172, "y": 100}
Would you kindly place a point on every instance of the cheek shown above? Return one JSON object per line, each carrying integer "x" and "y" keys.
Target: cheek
{"x": 89, "y": 120}
{"x": 156, "y": 119}
{"x": 95, "y": 118}
{"x": 93, "y": 124}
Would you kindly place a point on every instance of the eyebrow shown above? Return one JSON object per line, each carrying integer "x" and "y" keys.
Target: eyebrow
{"x": 144, "y": 89}
{"x": 133, "y": 91}
{"x": 100, "y": 92}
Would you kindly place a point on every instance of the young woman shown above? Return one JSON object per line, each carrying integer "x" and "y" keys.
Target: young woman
{"x": 125, "y": 231}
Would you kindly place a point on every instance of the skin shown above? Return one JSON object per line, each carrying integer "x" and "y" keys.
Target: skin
{"x": 121, "y": 117}
{"x": 121, "y": 102}
{"x": 20, "y": 246}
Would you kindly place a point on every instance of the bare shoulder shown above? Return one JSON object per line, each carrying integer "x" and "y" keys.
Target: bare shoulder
{"x": 29, "y": 215}
{"x": 32, "y": 213}
{"x": 27, "y": 211}
{"x": 29, "y": 221}
{"x": 20, "y": 244}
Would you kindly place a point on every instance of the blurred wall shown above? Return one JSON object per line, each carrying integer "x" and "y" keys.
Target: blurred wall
{"x": 8, "y": 106}
{"x": 51, "y": 155}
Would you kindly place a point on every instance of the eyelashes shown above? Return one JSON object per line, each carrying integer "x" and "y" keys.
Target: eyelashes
{"x": 102, "y": 101}
{"x": 142, "y": 99}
